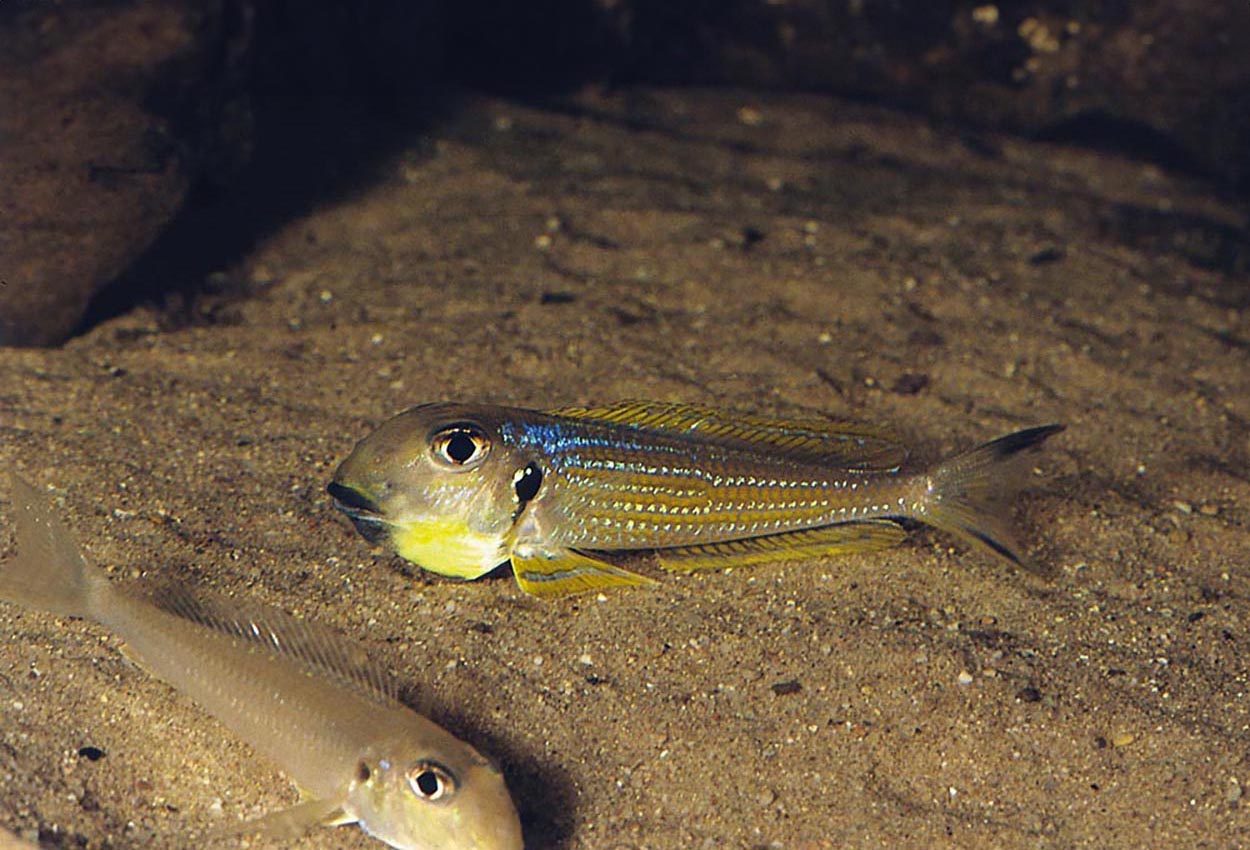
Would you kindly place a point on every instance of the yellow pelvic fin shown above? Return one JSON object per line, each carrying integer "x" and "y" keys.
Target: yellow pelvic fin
{"x": 564, "y": 573}
{"x": 826, "y": 442}
{"x": 840, "y": 539}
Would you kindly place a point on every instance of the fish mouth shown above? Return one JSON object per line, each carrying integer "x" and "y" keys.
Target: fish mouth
{"x": 364, "y": 513}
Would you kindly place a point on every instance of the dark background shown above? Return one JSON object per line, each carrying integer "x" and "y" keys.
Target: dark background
{"x": 145, "y": 143}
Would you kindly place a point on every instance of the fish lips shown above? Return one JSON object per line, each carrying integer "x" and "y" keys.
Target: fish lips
{"x": 365, "y": 515}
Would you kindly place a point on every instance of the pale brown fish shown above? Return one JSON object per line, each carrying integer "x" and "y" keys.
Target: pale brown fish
{"x": 299, "y": 694}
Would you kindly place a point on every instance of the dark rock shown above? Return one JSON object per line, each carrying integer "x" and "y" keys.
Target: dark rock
{"x": 111, "y": 111}
{"x": 1168, "y": 79}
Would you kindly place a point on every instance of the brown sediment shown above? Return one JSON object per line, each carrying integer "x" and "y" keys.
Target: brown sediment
{"x": 939, "y": 700}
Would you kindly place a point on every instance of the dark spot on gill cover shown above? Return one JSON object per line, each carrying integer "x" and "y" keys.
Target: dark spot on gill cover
{"x": 528, "y": 482}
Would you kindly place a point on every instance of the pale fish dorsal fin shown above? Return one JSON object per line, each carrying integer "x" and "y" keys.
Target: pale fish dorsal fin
{"x": 840, "y": 445}
{"x": 290, "y": 823}
{"x": 841, "y": 539}
{"x": 552, "y": 575}
{"x": 318, "y": 648}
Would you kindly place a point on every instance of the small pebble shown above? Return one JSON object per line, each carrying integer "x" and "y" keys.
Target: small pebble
{"x": 1122, "y": 739}
{"x": 750, "y": 116}
{"x": 1234, "y": 792}
{"x": 964, "y": 678}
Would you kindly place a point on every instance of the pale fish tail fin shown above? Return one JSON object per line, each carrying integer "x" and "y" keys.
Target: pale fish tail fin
{"x": 49, "y": 573}
{"x": 970, "y": 494}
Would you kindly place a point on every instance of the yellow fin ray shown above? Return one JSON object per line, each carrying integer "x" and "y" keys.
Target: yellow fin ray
{"x": 842, "y": 445}
{"x": 841, "y": 539}
{"x": 564, "y": 573}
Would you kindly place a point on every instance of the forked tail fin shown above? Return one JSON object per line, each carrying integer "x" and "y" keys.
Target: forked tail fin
{"x": 49, "y": 572}
{"x": 969, "y": 495}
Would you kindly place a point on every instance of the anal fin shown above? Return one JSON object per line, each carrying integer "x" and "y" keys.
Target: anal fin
{"x": 840, "y": 539}
{"x": 552, "y": 575}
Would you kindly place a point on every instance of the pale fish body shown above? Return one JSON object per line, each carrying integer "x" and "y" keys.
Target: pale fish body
{"x": 299, "y": 694}
{"x": 460, "y": 488}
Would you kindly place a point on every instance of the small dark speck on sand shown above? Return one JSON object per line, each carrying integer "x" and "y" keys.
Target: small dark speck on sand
{"x": 91, "y": 753}
{"x": 1029, "y": 695}
{"x": 910, "y": 383}
{"x": 1047, "y": 255}
{"x": 785, "y": 689}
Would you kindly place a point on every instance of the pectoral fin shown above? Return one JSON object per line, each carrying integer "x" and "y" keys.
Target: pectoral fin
{"x": 290, "y": 823}
{"x": 556, "y": 574}
{"x": 838, "y": 539}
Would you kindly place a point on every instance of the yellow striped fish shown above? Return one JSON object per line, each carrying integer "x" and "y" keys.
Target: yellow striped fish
{"x": 459, "y": 489}
{"x": 297, "y": 693}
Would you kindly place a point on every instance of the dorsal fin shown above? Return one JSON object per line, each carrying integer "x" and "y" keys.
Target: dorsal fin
{"x": 841, "y": 445}
{"x": 320, "y": 649}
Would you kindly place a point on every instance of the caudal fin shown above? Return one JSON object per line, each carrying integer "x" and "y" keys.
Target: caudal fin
{"x": 969, "y": 495}
{"x": 49, "y": 573}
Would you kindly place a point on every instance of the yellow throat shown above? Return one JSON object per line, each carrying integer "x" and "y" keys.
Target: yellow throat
{"x": 448, "y": 547}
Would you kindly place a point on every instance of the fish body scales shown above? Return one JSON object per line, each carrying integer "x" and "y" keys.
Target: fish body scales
{"x": 459, "y": 488}
{"x": 609, "y": 491}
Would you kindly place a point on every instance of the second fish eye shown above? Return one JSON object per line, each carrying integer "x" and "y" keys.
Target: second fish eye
{"x": 431, "y": 781}
{"x": 460, "y": 445}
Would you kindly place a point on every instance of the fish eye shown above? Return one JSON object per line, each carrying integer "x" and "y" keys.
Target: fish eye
{"x": 430, "y": 781}
{"x": 363, "y": 771}
{"x": 460, "y": 445}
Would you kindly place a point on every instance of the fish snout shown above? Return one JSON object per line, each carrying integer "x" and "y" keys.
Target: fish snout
{"x": 350, "y": 501}
{"x": 364, "y": 513}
